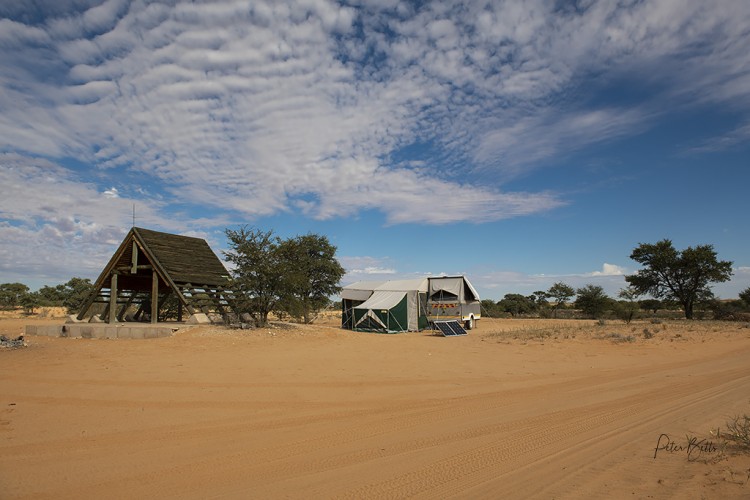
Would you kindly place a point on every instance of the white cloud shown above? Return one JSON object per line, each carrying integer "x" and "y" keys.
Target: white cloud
{"x": 111, "y": 193}
{"x": 366, "y": 268}
{"x": 53, "y": 224}
{"x": 609, "y": 270}
{"x": 495, "y": 284}
{"x": 263, "y": 107}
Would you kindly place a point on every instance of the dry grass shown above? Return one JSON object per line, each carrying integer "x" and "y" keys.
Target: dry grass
{"x": 616, "y": 331}
{"x": 738, "y": 432}
{"x": 39, "y": 312}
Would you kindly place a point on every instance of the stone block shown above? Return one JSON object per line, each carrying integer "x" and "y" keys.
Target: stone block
{"x": 110, "y": 332}
{"x": 198, "y": 319}
{"x": 87, "y": 332}
{"x": 99, "y": 332}
{"x": 152, "y": 333}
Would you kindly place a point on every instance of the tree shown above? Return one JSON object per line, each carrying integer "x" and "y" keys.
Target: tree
{"x": 683, "y": 276}
{"x": 515, "y": 304}
{"x": 540, "y": 298}
{"x": 74, "y": 293}
{"x": 29, "y": 302}
{"x": 745, "y": 296}
{"x": 652, "y": 305}
{"x": 592, "y": 300}
{"x": 627, "y": 307}
{"x": 313, "y": 273}
{"x": 11, "y": 294}
{"x": 561, "y": 293}
{"x": 51, "y": 295}
{"x": 296, "y": 275}
{"x": 258, "y": 274}
{"x": 490, "y": 309}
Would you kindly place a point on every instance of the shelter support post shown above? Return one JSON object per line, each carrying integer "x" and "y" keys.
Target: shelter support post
{"x": 154, "y": 297}
{"x": 113, "y": 299}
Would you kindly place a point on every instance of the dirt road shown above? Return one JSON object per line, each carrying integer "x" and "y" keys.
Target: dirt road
{"x": 317, "y": 412}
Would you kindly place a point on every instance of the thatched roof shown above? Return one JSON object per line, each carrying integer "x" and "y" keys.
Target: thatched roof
{"x": 184, "y": 259}
{"x": 151, "y": 261}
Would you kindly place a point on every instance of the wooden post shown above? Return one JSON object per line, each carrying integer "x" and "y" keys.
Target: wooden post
{"x": 154, "y": 297}
{"x": 134, "y": 259}
{"x": 113, "y": 299}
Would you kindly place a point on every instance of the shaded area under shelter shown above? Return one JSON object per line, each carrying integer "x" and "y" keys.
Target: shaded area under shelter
{"x": 153, "y": 271}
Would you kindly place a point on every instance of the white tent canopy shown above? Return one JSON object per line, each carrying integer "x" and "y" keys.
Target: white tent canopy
{"x": 361, "y": 290}
{"x": 453, "y": 285}
{"x": 382, "y": 300}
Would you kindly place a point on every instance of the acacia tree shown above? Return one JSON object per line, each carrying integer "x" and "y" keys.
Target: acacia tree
{"x": 652, "y": 305}
{"x": 296, "y": 275}
{"x": 11, "y": 294}
{"x": 312, "y": 274}
{"x": 258, "y": 271}
{"x": 627, "y": 308}
{"x": 75, "y": 292}
{"x": 561, "y": 293}
{"x": 683, "y": 276}
{"x": 592, "y": 300}
{"x": 515, "y": 304}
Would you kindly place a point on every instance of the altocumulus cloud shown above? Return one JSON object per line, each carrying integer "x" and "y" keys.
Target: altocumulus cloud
{"x": 258, "y": 108}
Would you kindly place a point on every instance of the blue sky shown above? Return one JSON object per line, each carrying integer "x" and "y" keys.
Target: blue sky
{"x": 519, "y": 143}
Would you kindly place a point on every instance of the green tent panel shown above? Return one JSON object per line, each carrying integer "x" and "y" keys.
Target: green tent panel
{"x": 386, "y": 312}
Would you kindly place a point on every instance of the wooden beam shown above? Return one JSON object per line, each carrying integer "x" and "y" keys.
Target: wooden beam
{"x": 129, "y": 269}
{"x": 105, "y": 314}
{"x": 113, "y": 299}
{"x": 89, "y": 302}
{"x": 124, "y": 308}
{"x": 154, "y": 296}
{"x": 134, "y": 258}
{"x": 157, "y": 266}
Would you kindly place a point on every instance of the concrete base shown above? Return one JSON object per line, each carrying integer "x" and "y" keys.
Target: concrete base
{"x": 106, "y": 331}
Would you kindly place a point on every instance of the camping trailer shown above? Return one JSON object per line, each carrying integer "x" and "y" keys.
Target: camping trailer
{"x": 408, "y": 305}
{"x": 453, "y": 298}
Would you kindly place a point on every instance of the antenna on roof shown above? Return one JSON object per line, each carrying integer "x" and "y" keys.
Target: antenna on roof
{"x": 133, "y": 214}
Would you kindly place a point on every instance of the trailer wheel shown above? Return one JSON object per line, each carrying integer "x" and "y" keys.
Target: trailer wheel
{"x": 469, "y": 323}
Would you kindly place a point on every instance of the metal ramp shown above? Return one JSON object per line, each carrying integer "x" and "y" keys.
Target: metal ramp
{"x": 450, "y": 328}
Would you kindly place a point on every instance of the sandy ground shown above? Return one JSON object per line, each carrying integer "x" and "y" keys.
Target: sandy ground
{"x": 516, "y": 409}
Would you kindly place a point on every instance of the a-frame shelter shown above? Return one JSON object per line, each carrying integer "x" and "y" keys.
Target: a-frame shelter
{"x": 149, "y": 265}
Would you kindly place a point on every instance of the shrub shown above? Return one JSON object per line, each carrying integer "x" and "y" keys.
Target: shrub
{"x": 738, "y": 431}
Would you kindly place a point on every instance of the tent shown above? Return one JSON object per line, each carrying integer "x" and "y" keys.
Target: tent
{"x": 408, "y": 305}
{"x": 383, "y": 311}
{"x": 385, "y": 306}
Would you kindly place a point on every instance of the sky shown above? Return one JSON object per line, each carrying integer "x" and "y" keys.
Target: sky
{"x": 519, "y": 143}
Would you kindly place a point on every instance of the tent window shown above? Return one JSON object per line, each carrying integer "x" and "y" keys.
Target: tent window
{"x": 443, "y": 295}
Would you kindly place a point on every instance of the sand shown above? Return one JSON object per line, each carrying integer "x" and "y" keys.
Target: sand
{"x": 516, "y": 409}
